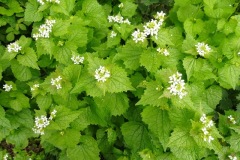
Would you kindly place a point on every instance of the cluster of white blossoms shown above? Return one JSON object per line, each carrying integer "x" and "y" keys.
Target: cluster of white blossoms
{"x": 163, "y": 51}
{"x": 34, "y": 87}
{"x": 177, "y": 85}
{"x": 7, "y": 87}
{"x": 42, "y": 122}
{"x": 232, "y": 157}
{"x": 121, "y": 5}
{"x": 14, "y": 47}
{"x": 5, "y": 157}
{"x": 57, "y": 82}
{"x": 231, "y": 119}
{"x": 150, "y": 28}
{"x": 118, "y": 19}
{"x": 102, "y": 74}
{"x": 42, "y": 2}
{"x": 77, "y": 59}
{"x": 202, "y": 49}
{"x": 208, "y": 124}
{"x": 113, "y": 34}
{"x": 44, "y": 30}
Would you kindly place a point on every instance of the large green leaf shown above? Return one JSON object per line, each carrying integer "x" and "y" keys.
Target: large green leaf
{"x": 129, "y": 55}
{"x": 20, "y": 102}
{"x": 229, "y": 76}
{"x": 29, "y": 59}
{"x": 44, "y": 101}
{"x": 158, "y": 122}
{"x": 234, "y": 142}
{"x": 150, "y": 59}
{"x": 183, "y": 145}
{"x": 136, "y": 136}
{"x": 65, "y": 7}
{"x": 64, "y": 139}
{"x": 115, "y": 103}
{"x": 86, "y": 150}
{"x": 129, "y": 8}
{"x": 214, "y": 96}
{"x": 32, "y": 13}
{"x": 21, "y": 72}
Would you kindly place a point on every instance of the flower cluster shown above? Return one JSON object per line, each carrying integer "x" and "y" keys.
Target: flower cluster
{"x": 231, "y": 119}
{"x": 57, "y": 82}
{"x": 202, "y": 49}
{"x": 77, "y": 59}
{"x": 118, "y": 19}
{"x": 208, "y": 124}
{"x": 42, "y": 122}
{"x": 5, "y": 157}
{"x": 113, "y": 34}
{"x": 163, "y": 51}
{"x": 7, "y": 87}
{"x": 42, "y": 2}
{"x": 44, "y": 30}
{"x": 34, "y": 87}
{"x": 121, "y": 5}
{"x": 231, "y": 157}
{"x": 102, "y": 74}
{"x": 14, "y": 47}
{"x": 150, "y": 28}
{"x": 177, "y": 85}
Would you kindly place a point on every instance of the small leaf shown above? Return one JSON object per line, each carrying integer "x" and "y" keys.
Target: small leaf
{"x": 44, "y": 101}
{"x": 20, "y": 102}
{"x": 21, "y": 72}
{"x": 150, "y": 59}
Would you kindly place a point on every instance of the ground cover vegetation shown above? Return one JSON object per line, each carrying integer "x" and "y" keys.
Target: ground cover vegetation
{"x": 96, "y": 79}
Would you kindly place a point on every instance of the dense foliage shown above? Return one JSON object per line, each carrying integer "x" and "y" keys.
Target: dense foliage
{"x": 88, "y": 79}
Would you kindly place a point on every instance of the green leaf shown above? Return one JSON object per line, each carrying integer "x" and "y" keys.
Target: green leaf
{"x": 181, "y": 117}
{"x": 65, "y": 7}
{"x": 229, "y": 76}
{"x": 29, "y": 59}
{"x": 189, "y": 11}
{"x": 60, "y": 27}
{"x": 31, "y": 12}
{"x": 234, "y": 142}
{"x": 44, "y": 101}
{"x": 21, "y": 72}
{"x": 20, "y": 102}
{"x": 63, "y": 54}
{"x": 150, "y": 59}
{"x": 115, "y": 103}
{"x": 158, "y": 122}
{"x": 153, "y": 95}
{"x": 64, "y": 117}
{"x": 183, "y": 145}
{"x": 68, "y": 138}
{"x": 94, "y": 12}
{"x": 213, "y": 96}
{"x": 86, "y": 150}
{"x": 136, "y": 136}
{"x": 129, "y": 55}
{"x": 72, "y": 72}
{"x": 129, "y": 9}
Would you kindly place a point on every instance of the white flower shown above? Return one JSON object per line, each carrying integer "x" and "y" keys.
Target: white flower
{"x": 34, "y": 87}
{"x": 177, "y": 85}
{"x": 113, "y": 34}
{"x": 101, "y": 74}
{"x": 14, "y": 47}
{"x": 160, "y": 16}
{"x": 210, "y": 138}
{"x": 120, "y": 5}
{"x": 118, "y": 19}
{"x": 205, "y": 131}
{"x": 77, "y": 59}
{"x": 163, "y": 51}
{"x": 41, "y": 2}
{"x": 202, "y": 49}
{"x": 210, "y": 124}
{"x": 51, "y": 1}
{"x": 232, "y": 157}
{"x": 56, "y": 82}
{"x": 203, "y": 119}
{"x": 5, "y": 157}
{"x": 138, "y": 36}
{"x": 53, "y": 114}
{"x": 232, "y": 119}
{"x": 44, "y": 30}
{"x": 7, "y": 87}
{"x": 152, "y": 27}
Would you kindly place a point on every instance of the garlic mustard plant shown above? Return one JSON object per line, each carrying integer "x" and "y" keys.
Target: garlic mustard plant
{"x": 56, "y": 82}
{"x": 34, "y": 87}
{"x": 206, "y": 129}
{"x": 77, "y": 59}
{"x": 231, "y": 119}
{"x": 44, "y": 30}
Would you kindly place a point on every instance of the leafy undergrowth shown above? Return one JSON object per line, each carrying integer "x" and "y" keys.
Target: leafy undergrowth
{"x": 119, "y": 79}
